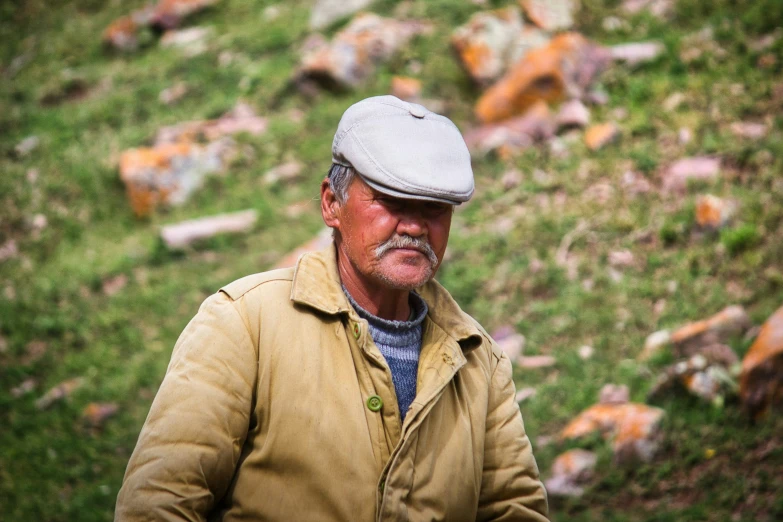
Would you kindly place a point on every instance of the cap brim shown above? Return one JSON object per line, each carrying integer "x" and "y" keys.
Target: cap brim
{"x": 404, "y": 195}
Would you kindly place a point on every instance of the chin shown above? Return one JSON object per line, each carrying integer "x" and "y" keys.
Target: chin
{"x": 401, "y": 282}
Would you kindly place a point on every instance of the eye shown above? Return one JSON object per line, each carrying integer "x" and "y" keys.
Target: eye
{"x": 437, "y": 209}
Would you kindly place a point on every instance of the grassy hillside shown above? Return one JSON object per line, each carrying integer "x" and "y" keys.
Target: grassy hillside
{"x": 60, "y": 318}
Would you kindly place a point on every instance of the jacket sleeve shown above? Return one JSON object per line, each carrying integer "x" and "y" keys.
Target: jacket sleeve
{"x": 510, "y": 485}
{"x": 191, "y": 441}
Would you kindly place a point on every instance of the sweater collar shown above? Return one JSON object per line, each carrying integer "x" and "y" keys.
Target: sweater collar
{"x": 316, "y": 283}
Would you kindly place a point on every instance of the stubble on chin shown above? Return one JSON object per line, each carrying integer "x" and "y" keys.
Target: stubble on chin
{"x": 386, "y": 274}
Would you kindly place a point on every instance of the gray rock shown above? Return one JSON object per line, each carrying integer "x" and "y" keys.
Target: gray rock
{"x": 326, "y": 12}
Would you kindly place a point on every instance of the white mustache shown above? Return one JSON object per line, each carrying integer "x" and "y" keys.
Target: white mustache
{"x": 406, "y": 241}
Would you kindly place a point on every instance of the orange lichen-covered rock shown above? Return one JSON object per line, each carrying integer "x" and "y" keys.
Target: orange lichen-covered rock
{"x": 536, "y": 124}
{"x": 405, "y": 88}
{"x": 169, "y": 13}
{"x": 491, "y": 41}
{"x": 569, "y": 471}
{"x": 165, "y": 174}
{"x": 567, "y": 66}
{"x": 761, "y": 380}
{"x": 732, "y": 320}
{"x": 166, "y": 14}
{"x": 600, "y": 135}
{"x": 351, "y": 56}
{"x": 550, "y": 15}
{"x": 713, "y": 212}
{"x": 632, "y": 427}
{"x": 122, "y": 34}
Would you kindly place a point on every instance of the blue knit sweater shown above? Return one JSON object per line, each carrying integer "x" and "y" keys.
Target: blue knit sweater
{"x": 400, "y": 344}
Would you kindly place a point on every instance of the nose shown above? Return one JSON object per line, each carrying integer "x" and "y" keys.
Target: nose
{"x": 412, "y": 223}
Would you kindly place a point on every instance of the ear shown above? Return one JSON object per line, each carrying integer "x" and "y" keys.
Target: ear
{"x": 330, "y": 207}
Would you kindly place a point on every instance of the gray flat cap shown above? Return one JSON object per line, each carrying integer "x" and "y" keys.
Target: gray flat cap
{"x": 404, "y": 150}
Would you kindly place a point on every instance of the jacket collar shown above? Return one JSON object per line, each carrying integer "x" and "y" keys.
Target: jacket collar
{"x": 316, "y": 284}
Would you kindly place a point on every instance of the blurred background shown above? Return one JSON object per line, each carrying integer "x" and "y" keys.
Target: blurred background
{"x": 624, "y": 245}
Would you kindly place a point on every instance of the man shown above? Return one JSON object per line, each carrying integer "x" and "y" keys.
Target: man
{"x": 351, "y": 387}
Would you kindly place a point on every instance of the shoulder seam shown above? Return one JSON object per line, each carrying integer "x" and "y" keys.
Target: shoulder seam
{"x": 235, "y": 294}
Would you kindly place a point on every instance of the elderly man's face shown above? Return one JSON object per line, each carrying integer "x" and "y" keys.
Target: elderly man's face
{"x": 397, "y": 242}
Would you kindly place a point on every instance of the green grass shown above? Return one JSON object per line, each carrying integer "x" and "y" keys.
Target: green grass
{"x": 54, "y": 468}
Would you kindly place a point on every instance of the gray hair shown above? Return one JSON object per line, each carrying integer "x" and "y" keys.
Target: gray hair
{"x": 340, "y": 178}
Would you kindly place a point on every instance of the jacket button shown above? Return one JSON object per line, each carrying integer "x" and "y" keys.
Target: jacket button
{"x": 447, "y": 359}
{"x": 374, "y": 403}
{"x": 357, "y": 330}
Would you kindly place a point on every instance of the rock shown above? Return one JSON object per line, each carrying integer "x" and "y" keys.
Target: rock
{"x": 632, "y": 427}
{"x": 8, "y": 250}
{"x": 761, "y": 379}
{"x": 96, "y": 413}
{"x": 123, "y": 33}
{"x": 271, "y": 12}
{"x": 585, "y": 352}
{"x": 536, "y": 124}
{"x": 525, "y": 394}
{"x": 612, "y": 24}
{"x": 698, "y": 375}
{"x": 621, "y": 258}
{"x": 570, "y": 471}
{"x": 241, "y": 118}
{"x": 33, "y": 352}
{"x": 600, "y": 135}
{"x": 165, "y": 174}
{"x": 286, "y": 172}
{"x": 511, "y": 179}
{"x": 718, "y": 353}
{"x": 113, "y": 285}
{"x": 326, "y": 12}
{"x": 181, "y": 235}
{"x": 767, "y": 61}
{"x": 634, "y": 183}
{"x": 405, "y": 88}
{"x": 172, "y": 94}
{"x": 566, "y": 67}
{"x": 658, "y": 8}
{"x": 351, "y": 56}
{"x": 536, "y": 361}
{"x": 700, "y": 44}
{"x": 510, "y": 342}
{"x": 654, "y": 344}
{"x": 24, "y": 388}
{"x": 713, "y": 212}
{"x": 572, "y": 113}
{"x": 597, "y": 97}
{"x": 699, "y": 168}
{"x": 748, "y": 130}
{"x": 168, "y": 14}
{"x": 491, "y": 41}
{"x": 684, "y": 135}
{"x": 636, "y": 53}
{"x": 673, "y": 101}
{"x": 59, "y": 392}
{"x": 27, "y": 145}
{"x": 192, "y": 41}
{"x": 614, "y": 394}
{"x": 729, "y": 322}
{"x": 550, "y": 15}
{"x": 176, "y": 165}
{"x": 766, "y": 41}
{"x": 319, "y": 242}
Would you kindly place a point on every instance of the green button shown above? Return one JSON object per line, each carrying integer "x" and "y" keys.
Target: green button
{"x": 357, "y": 330}
{"x": 375, "y": 403}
